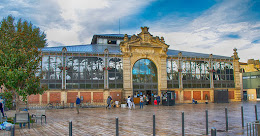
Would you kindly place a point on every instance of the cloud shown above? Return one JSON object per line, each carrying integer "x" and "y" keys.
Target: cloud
{"x": 71, "y": 22}
{"x": 91, "y": 17}
{"x": 217, "y": 30}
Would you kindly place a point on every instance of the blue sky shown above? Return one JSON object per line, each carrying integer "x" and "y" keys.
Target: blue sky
{"x": 205, "y": 26}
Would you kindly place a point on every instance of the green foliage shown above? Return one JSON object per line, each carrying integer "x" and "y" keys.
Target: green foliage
{"x": 8, "y": 96}
{"x": 20, "y": 56}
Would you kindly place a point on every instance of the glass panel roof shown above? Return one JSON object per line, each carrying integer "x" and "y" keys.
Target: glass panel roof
{"x": 115, "y": 49}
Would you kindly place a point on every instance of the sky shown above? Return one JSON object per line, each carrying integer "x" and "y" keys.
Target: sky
{"x": 203, "y": 26}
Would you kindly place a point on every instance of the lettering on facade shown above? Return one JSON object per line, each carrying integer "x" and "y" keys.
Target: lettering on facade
{"x": 144, "y": 51}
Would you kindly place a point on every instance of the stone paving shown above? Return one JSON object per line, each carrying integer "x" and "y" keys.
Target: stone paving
{"x": 101, "y": 121}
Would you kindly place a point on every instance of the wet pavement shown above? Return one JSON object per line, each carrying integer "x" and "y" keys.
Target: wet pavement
{"x": 101, "y": 121}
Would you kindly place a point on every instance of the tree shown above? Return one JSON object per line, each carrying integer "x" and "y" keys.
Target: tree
{"x": 20, "y": 58}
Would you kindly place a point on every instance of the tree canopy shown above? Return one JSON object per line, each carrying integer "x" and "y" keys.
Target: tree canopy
{"x": 20, "y": 57}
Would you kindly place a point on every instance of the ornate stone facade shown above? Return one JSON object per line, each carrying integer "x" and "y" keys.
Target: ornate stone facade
{"x": 144, "y": 46}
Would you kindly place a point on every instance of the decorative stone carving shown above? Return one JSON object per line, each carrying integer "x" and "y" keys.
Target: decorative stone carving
{"x": 140, "y": 46}
{"x": 235, "y": 56}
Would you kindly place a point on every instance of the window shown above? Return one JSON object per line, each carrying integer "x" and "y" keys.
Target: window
{"x": 111, "y": 42}
{"x": 51, "y": 71}
{"x": 84, "y": 72}
{"x": 223, "y": 75}
{"x": 172, "y": 74}
{"x": 115, "y": 73}
{"x": 195, "y": 74}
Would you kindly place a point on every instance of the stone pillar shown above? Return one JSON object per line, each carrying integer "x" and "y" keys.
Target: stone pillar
{"x": 40, "y": 99}
{"x": 106, "y": 93}
{"x": 162, "y": 80}
{"x": 64, "y": 96}
{"x": 127, "y": 74}
{"x": 236, "y": 68}
{"x": 212, "y": 95}
{"x": 211, "y": 70}
{"x": 63, "y": 69}
{"x": 91, "y": 97}
{"x": 180, "y": 77}
{"x": 106, "y": 84}
{"x": 180, "y": 71}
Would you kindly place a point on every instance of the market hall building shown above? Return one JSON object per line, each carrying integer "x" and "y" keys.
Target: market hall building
{"x": 120, "y": 65}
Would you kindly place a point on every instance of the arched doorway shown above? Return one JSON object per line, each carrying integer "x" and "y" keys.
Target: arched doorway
{"x": 145, "y": 78}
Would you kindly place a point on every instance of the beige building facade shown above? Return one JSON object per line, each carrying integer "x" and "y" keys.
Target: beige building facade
{"x": 123, "y": 65}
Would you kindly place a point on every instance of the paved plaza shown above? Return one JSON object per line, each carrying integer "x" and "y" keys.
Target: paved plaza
{"x": 101, "y": 121}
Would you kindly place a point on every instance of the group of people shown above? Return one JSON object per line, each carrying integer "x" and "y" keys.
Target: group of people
{"x": 130, "y": 102}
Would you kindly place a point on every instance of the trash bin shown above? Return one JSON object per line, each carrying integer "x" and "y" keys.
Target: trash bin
{"x": 72, "y": 105}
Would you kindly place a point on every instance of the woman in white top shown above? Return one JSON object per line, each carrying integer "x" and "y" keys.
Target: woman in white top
{"x": 141, "y": 102}
{"x": 129, "y": 102}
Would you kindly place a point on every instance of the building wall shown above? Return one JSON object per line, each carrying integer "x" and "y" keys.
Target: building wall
{"x": 251, "y": 95}
{"x": 69, "y": 96}
{"x": 251, "y": 79}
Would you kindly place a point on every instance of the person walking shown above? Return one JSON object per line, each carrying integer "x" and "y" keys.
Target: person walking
{"x": 129, "y": 102}
{"x": 2, "y": 108}
{"x": 132, "y": 102}
{"x": 77, "y": 104}
{"x": 141, "y": 102}
{"x": 158, "y": 100}
{"x": 108, "y": 102}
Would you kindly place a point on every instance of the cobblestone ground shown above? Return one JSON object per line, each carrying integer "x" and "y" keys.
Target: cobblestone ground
{"x": 101, "y": 121}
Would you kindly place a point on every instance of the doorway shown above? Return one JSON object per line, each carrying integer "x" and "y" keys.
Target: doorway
{"x": 145, "y": 78}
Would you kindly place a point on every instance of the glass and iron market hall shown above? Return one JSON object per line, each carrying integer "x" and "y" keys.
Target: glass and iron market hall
{"x": 120, "y": 65}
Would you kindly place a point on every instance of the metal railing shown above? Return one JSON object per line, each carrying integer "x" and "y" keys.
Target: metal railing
{"x": 253, "y": 128}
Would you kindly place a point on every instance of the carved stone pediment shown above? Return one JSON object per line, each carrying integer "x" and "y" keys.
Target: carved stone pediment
{"x": 142, "y": 40}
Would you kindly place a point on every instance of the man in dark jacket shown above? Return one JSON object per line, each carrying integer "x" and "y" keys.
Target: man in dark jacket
{"x": 77, "y": 104}
{"x": 108, "y": 101}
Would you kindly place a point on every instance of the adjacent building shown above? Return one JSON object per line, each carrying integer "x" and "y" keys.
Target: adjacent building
{"x": 120, "y": 65}
{"x": 251, "y": 80}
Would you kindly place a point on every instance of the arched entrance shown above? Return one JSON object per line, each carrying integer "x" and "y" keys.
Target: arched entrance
{"x": 145, "y": 78}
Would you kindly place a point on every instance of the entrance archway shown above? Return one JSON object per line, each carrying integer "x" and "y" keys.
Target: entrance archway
{"x": 145, "y": 78}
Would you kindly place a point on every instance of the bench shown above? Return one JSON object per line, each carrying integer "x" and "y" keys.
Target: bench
{"x": 22, "y": 118}
{"x": 39, "y": 115}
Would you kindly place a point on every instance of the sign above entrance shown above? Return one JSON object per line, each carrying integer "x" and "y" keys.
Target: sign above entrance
{"x": 144, "y": 51}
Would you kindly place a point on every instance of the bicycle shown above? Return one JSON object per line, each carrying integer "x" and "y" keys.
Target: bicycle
{"x": 49, "y": 105}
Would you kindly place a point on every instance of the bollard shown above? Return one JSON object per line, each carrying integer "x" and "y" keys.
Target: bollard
{"x": 70, "y": 128}
{"x": 226, "y": 115}
{"x": 117, "y": 133}
{"x": 13, "y": 130}
{"x": 250, "y": 128}
{"x": 153, "y": 125}
{"x": 253, "y": 125}
{"x": 207, "y": 125}
{"x": 247, "y": 129}
{"x": 242, "y": 116}
{"x": 256, "y": 117}
{"x": 213, "y": 131}
{"x": 182, "y": 123}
